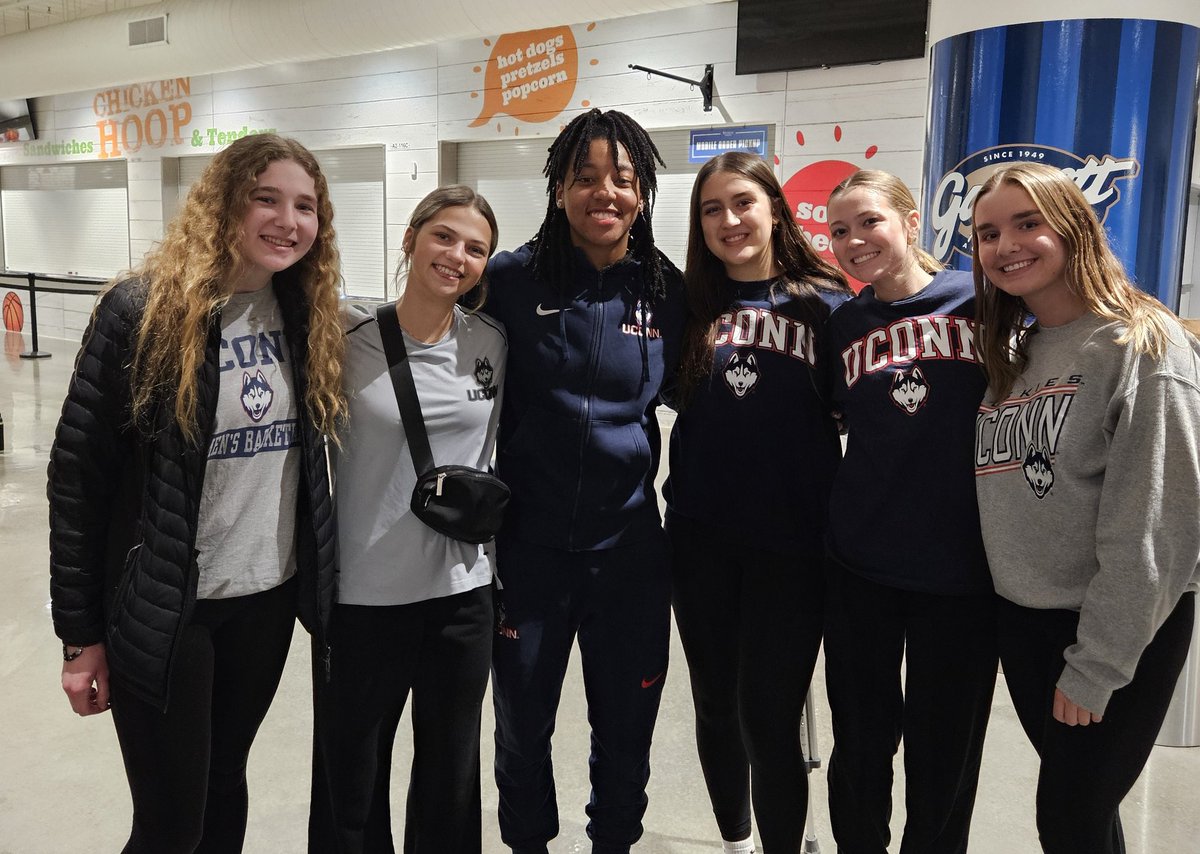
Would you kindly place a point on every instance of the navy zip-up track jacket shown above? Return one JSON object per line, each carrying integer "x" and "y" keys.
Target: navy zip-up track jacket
{"x": 578, "y": 442}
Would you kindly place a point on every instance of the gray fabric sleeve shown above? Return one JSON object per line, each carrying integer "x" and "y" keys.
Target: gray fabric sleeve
{"x": 1147, "y": 535}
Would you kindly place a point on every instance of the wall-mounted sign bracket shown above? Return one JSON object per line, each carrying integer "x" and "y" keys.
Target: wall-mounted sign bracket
{"x": 705, "y": 83}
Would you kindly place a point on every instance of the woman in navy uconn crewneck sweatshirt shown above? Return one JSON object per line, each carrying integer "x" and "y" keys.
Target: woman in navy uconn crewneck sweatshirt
{"x": 753, "y": 454}
{"x": 908, "y": 577}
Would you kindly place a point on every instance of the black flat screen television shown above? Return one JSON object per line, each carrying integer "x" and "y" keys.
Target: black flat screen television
{"x": 16, "y": 123}
{"x": 783, "y": 35}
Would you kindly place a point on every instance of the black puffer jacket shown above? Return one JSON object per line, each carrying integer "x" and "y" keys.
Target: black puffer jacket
{"x": 124, "y": 507}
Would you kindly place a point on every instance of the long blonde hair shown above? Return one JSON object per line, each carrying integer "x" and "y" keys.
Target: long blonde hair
{"x": 1093, "y": 274}
{"x": 189, "y": 279}
{"x": 893, "y": 191}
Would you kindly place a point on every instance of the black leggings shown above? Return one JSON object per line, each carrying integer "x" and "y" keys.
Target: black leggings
{"x": 187, "y": 767}
{"x": 439, "y": 650}
{"x": 948, "y": 645}
{"x": 750, "y": 623}
{"x": 1086, "y": 771}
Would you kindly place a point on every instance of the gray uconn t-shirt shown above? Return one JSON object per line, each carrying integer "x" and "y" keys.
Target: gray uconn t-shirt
{"x": 246, "y": 535}
{"x": 387, "y": 555}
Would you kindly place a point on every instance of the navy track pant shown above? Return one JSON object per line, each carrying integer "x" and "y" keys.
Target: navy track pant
{"x": 617, "y": 602}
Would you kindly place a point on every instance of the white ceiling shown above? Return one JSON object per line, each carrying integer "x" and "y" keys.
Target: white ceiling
{"x": 17, "y": 16}
{"x": 84, "y": 44}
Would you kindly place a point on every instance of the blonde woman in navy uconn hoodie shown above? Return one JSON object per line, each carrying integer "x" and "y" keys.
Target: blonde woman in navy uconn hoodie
{"x": 748, "y": 531}
{"x": 593, "y": 312}
{"x": 909, "y": 580}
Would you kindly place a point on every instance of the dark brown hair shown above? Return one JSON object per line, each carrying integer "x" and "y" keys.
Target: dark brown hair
{"x": 803, "y": 273}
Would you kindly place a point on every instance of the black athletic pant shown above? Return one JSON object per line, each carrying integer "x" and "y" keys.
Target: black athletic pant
{"x": 440, "y": 651}
{"x": 948, "y": 645}
{"x": 618, "y": 602}
{"x": 1086, "y": 771}
{"x": 187, "y": 767}
{"x": 750, "y": 621}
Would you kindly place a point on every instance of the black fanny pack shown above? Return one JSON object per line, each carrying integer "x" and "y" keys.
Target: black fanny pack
{"x": 461, "y": 502}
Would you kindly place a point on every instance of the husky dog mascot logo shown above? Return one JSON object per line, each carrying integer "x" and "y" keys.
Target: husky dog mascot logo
{"x": 257, "y": 395}
{"x": 484, "y": 375}
{"x": 483, "y": 372}
{"x": 741, "y": 373}
{"x": 1039, "y": 474}
{"x": 909, "y": 390}
{"x": 642, "y": 314}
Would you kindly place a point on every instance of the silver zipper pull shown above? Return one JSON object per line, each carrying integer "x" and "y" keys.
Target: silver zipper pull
{"x": 441, "y": 477}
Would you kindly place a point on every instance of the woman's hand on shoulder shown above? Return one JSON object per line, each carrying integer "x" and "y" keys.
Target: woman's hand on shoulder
{"x": 85, "y": 681}
{"x": 1071, "y": 714}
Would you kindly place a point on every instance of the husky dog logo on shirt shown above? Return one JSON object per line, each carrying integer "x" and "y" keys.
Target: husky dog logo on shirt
{"x": 257, "y": 395}
{"x": 641, "y": 321}
{"x": 909, "y": 390}
{"x": 485, "y": 376}
{"x": 483, "y": 372}
{"x": 1039, "y": 474}
{"x": 741, "y": 373}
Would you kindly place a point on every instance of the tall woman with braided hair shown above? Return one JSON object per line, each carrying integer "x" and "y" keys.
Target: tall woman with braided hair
{"x": 190, "y": 514}
{"x": 594, "y": 315}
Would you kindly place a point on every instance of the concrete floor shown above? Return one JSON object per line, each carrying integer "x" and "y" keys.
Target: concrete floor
{"x": 62, "y": 788}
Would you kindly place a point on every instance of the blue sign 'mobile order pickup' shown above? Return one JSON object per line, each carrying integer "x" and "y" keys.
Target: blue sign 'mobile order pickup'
{"x": 707, "y": 144}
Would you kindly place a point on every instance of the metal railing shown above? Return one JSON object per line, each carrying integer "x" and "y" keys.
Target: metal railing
{"x": 74, "y": 285}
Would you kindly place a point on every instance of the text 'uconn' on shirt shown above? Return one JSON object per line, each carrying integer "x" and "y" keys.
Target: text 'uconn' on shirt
{"x": 248, "y": 351}
{"x": 930, "y": 337}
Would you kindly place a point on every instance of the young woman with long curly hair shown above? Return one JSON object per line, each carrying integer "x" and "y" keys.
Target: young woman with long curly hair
{"x": 190, "y": 513}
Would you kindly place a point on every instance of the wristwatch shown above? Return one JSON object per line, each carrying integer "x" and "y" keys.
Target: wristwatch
{"x": 71, "y": 651}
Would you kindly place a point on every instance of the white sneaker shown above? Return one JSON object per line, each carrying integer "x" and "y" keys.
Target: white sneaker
{"x": 742, "y": 846}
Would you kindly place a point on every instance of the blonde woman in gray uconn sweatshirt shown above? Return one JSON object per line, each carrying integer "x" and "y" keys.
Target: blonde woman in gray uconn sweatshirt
{"x": 1088, "y": 475}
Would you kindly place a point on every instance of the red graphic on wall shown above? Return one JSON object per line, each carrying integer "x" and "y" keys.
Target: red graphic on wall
{"x": 14, "y": 312}
{"x": 807, "y": 192}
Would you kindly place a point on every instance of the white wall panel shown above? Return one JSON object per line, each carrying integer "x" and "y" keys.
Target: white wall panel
{"x": 346, "y": 90}
{"x": 508, "y": 174}
{"x": 384, "y": 62}
{"x": 66, "y": 218}
{"x": 355, "y": 177}
{"x": 382, "y": 114}
{"x": 1188, "y": 306}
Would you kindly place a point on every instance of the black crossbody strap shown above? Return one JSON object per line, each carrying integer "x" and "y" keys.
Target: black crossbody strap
{"x": 406, "y": 390}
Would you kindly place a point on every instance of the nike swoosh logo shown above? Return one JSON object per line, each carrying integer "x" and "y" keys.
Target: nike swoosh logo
{"x": 646, "y": 683}
{"x": 546, "y": 312}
